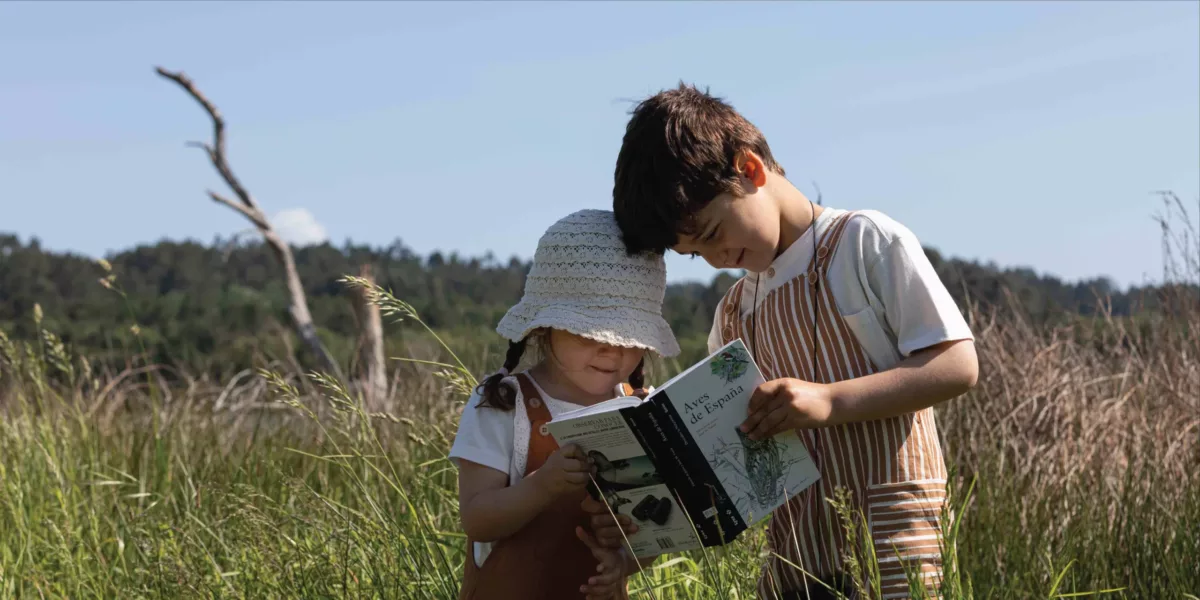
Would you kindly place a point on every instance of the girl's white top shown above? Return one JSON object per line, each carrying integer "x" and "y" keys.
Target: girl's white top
{"x": 500, "y": 439}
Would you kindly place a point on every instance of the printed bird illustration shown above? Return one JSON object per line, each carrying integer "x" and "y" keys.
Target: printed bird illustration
{"x": 730, "y": 364}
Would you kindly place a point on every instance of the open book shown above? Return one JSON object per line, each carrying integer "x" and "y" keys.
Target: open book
{"x": 677, "y": 462}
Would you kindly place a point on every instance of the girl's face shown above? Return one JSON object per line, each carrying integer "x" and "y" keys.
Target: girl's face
{"x": 594, "y": 368}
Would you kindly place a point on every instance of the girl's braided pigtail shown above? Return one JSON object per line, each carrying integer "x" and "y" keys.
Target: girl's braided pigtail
{"x": 637, "y": 380}
{"x": 492, "y": 392}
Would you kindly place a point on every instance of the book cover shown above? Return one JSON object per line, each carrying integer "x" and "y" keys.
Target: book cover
{"x": 712, "y": 399}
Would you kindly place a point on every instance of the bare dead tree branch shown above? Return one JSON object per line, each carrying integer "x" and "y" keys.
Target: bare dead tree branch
{"x": 247, "y": 207}
{"x": 370, "y": 326}
{"x": 254, "y": 216}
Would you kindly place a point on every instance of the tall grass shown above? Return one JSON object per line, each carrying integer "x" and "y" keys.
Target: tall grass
{"x": 1080, "y": 449}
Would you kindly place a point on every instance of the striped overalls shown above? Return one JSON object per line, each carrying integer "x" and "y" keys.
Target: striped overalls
{"x": 893, "y": 467}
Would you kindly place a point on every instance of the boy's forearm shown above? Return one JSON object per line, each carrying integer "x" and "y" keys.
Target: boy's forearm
{"x": 922, "y": 380}
{"x": 496, "y": 514}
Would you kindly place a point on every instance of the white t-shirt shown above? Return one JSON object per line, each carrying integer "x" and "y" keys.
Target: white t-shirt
{"x": 489, "y": 436}
{"x": 884, "y": 286}
{"x": 499, "y": 439}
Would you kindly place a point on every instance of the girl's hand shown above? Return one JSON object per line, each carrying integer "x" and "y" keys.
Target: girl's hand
{"x": 608, "y": 531}
{"x": 611, "y": 568}
{"x": 566, "y": 471}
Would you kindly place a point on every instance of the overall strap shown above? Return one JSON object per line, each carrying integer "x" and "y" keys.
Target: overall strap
{"x": 730, "y": 318}
{"x": 541, "y": 443}
{"x": 827, "y": 244}
{"x": 535, "y": 407}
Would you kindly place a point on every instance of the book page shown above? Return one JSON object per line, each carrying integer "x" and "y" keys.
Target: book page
{"x": 628, "y": 479}
{"x": 603, "y": 407}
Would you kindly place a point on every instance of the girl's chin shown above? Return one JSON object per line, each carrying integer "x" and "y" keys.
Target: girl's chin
{"x": 597, "y": 384}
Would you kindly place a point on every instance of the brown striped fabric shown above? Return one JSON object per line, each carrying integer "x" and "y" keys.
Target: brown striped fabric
{"x": 892, "y": 467}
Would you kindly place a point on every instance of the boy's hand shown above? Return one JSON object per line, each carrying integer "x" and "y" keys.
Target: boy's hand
{"x": 565, "y": 472}
{"x": 608, "y": 531}
{"x": 784, "y": 404}
{"x": 611, "y": 568}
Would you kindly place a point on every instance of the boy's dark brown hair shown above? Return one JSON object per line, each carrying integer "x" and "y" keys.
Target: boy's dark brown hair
{"x": 676, "y": 157}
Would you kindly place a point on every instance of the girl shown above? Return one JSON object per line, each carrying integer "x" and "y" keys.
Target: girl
{"x": 591, "y": 311}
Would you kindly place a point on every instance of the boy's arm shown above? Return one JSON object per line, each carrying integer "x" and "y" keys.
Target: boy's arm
{"x": 926, "y": 378}
{"x": 927, "y": 327}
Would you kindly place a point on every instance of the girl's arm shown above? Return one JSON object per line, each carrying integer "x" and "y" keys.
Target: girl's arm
{"x": 492, "y": 510}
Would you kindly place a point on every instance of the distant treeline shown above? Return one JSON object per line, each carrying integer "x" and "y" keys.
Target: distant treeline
{"x": 223, "y": 307}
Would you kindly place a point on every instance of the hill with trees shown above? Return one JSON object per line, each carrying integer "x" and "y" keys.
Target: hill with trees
{"x": 221, "y": 307}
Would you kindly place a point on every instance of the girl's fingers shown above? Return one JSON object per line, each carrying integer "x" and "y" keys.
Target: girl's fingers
{"x": 574, "y": 465}
{"x": 594, "y": 507}
{"x": 611, "y": 537}
{"x": 606, "y": 520}
{"x": 606, "y": 579}
{"x": 588, "y": 540}
{"x": 576, "y": 478}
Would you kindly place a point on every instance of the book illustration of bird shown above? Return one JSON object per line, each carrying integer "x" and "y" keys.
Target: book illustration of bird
{"x": 730, "y": 364}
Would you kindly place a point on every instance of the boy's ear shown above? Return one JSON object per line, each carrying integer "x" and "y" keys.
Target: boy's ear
{"x": 750, "y": 166}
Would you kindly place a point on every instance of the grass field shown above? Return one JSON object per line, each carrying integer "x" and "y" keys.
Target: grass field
{"x": 1080, "y": 447}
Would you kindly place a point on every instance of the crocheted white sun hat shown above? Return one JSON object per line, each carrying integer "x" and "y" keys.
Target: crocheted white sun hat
{"x": 584, "y": 282}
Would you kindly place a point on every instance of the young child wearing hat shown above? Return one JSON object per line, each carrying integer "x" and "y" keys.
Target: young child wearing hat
{"x": 591, "y": 311}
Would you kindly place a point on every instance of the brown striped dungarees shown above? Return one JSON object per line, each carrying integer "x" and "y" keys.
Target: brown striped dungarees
{"x": 893, "y": 467}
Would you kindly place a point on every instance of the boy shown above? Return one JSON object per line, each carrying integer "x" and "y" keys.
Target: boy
{"x": 853, "y": 329}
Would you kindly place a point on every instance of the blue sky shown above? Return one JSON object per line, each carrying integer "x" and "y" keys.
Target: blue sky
{"x": 1028, "y": 133}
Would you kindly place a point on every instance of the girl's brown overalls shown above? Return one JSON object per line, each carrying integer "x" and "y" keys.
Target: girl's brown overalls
{"x": 544, "y": 560}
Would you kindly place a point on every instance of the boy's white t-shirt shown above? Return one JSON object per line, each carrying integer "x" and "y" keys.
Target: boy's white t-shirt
{"x": 499, "y": 439}
{"x": 884, "y": 287}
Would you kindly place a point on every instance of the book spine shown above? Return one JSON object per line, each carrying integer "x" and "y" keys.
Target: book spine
{"x": 705, "y": 500}
{"x": 653, "y": 441}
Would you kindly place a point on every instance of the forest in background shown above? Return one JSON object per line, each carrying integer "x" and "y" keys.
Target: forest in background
{"x": 222, "y": 307}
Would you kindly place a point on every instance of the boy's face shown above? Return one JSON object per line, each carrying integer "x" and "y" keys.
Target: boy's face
{"x": 736, "y": 231}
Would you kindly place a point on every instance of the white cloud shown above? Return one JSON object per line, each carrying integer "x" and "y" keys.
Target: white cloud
{"x": 298, "y": 227}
